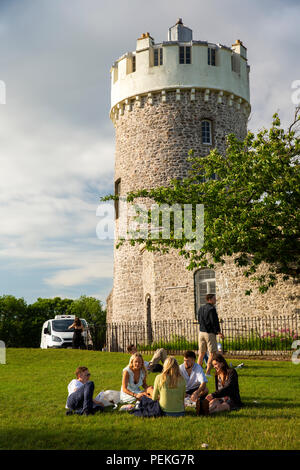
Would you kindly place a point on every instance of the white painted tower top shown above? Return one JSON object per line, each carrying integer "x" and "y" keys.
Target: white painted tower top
{"x": 180, "y": 63}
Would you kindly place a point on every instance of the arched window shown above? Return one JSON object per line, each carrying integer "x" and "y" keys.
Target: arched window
{"x": 206, "y": 132}
{"x": 204, "y": 283}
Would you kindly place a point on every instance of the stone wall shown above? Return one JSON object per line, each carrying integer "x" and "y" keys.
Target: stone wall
{"x": 152, "y": 144}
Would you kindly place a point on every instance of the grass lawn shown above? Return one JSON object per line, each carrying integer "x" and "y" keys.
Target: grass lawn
{"x": 33, "y": 392}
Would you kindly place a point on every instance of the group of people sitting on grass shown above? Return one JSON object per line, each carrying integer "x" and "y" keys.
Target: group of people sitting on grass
{"x": 176, "y": 387}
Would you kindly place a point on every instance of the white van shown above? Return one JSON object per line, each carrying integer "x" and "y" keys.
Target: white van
{"x": 56, "y": 333}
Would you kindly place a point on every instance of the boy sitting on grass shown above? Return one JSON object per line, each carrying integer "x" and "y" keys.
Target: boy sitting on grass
{"x": 80, "y": 399}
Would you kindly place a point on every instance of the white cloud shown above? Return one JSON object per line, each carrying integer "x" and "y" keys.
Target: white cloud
{"x": 86, "y": 273}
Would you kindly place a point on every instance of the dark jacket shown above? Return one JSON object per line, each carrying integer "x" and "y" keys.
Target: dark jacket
{"x": 208, "y": 319}
{"x": 229, "y": 389}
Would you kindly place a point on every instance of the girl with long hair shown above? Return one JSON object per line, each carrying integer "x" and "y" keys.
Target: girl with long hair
{"x": 169, "y": 386}
{"x": 134, "y": 377}
{"x": 227, "y": 394}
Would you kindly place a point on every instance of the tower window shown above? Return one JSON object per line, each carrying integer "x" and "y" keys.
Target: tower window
{"x": 211, "y": 56}
{"x": 117, "y": 193}
{"x": 158, "y": 56}
{"x": 204, "y": 283}
{"x": 131, "y": 64}
{"x": 206, "y": 133}
{"x": 185, "y": 54}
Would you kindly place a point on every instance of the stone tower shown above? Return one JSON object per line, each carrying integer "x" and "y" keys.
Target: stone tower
{"x": 166, "y": 99}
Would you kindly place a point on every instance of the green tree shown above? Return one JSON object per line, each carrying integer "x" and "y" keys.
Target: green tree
{"x": 251, "y": 205}
{"x": 12, "y": 319}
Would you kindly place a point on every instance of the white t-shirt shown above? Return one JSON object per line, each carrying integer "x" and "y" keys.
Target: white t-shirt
{"x": 196, "y": 378}
{"x": 73, "y": 386}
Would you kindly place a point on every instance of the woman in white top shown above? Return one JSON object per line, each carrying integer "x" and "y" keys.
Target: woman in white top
{"x": 134, "y": 377}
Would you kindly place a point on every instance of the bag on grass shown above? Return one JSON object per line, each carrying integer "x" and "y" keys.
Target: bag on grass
{"x": 108, "y": 397}
{"x": 147, "y": 408}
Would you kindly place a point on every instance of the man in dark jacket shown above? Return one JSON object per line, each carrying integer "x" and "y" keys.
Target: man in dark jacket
{"x": 209, "y": 327}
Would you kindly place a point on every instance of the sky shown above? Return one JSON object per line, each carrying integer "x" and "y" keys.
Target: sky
{"x": 56, "y": 138}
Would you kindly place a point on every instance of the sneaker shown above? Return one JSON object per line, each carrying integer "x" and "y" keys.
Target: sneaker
{"x": 69, "y": 412}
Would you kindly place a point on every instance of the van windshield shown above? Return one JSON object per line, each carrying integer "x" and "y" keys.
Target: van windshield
{"x": 63, "y": 325}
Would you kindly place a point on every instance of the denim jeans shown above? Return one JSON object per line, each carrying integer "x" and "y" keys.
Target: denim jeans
{"x": 82, "y": 399}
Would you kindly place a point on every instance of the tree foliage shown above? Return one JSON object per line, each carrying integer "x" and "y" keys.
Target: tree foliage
{"x": 251, "y": 209}
{"x": 21, "y": 324}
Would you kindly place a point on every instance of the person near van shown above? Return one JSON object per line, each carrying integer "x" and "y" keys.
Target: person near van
{"x": 80, "y": 394}
{"x": 169, "y": 387}
{"x": 154, "y": 365}
{"x": 209, "y": 328}
{"x": 78, "y": 340}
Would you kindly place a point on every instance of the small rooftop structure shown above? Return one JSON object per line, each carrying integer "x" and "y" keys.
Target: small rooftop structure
{"x": 180, "y": 33}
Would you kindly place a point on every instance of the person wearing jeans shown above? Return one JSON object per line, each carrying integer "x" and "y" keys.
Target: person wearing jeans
{"x": 81, "y": 389}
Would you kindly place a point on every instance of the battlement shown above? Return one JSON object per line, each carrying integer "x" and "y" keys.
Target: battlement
{"x": 180, "y": 62}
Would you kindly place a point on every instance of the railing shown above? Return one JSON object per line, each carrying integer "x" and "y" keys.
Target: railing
{"x": 250, "y": 335}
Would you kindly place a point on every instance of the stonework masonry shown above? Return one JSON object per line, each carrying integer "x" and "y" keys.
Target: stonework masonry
{"x": 152, "y": 144}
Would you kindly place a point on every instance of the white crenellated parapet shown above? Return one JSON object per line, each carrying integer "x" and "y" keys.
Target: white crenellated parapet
{"x": 155, "y": 68}
{"x": 207, "y": 94}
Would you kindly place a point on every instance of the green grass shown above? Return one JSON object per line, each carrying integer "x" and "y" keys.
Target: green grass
{"x": 33, "y": 392}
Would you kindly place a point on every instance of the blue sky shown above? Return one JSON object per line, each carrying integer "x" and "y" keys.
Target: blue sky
{"x": 57, "y": 142}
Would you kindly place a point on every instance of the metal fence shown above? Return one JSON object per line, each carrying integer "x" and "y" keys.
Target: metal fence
{"x": 248, "y": 335}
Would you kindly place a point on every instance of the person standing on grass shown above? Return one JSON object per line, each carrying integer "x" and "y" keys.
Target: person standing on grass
{"x": 134, "y": 377}
{"x": 209, "y": 328}
{"x": 160, "y": 355}
{"x": 227, "y": 394}
{"x": 78, "y": 340}
{"x": 194, "y": 376}
{"x": 80, "y": 390}
{"x": 170, "y": 388}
